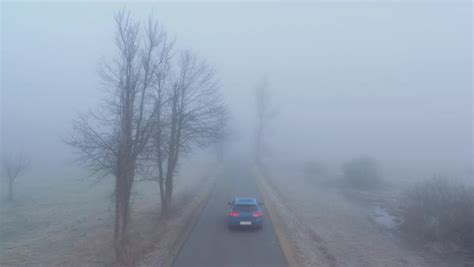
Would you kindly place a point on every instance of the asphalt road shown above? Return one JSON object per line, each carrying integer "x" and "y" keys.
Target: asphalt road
{"x": 211, "y": 243}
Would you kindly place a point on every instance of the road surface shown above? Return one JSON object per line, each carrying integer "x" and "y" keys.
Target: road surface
{"x": 211, "y": 243}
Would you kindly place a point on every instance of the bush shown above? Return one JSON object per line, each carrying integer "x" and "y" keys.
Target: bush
{"x": 440, "y": 211}
{"x": 314, "y": 169}
{"x": 362, "y": 172}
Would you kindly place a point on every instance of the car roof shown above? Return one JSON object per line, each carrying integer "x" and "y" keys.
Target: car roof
{"x": 245, "y": 201}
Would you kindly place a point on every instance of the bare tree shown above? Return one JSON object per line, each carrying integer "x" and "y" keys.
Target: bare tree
{"x": 157, "y": 149}
{"x": 113, "y": 140}
{"x": 193, "y": 115}
{"x": 265, "y": 112}
{"x": 223, "y": 137}
{"x": 14, "y": 167}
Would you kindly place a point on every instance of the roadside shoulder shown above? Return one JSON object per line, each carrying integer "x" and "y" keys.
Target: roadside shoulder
{"x": 177, "y": 229}
{"x": 286, "y": 245}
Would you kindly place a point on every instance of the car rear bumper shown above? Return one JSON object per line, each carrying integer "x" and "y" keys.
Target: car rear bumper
{"x": 236, "y": 221}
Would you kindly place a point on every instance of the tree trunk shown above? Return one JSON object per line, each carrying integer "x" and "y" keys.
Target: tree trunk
{"x": 10, "y": 189}
{"x": 164, "y": 202}
{"x": 169, "y": 177}
{"x": 258, "y": 145}
{"x": 169, "y": 190}
{"x": 122, "y": 215}
{"x": 169, "y": 180}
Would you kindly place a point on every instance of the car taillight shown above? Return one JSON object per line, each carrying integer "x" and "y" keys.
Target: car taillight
{"x": 234, "y": 214}
{"x": 257, "y": 214}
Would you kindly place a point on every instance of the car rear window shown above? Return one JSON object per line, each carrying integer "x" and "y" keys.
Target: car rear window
{"x": 245, "y": 208}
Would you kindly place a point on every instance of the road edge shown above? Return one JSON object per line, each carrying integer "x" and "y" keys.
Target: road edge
{"x": 191, "y": 223}
{"x": 280, "y": 230}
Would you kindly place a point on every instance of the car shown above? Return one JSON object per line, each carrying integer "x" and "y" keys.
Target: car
{"x": 245, "y": 212}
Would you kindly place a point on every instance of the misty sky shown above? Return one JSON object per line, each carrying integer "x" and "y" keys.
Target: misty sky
{"x": 391, "y": 80}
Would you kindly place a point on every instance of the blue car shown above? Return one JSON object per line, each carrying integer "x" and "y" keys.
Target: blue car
{"x": 245, "y": 212}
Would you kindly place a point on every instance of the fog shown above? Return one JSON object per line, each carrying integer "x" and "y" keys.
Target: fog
{"x": 391, "y": 80}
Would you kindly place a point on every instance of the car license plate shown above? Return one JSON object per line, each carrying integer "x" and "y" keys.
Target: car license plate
{"x": 245, "y": 223}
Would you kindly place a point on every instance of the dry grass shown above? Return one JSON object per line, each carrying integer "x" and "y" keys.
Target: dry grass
{"x": 70, "y": 222}
{"x": 329, "y": 229}
{"x": 440, "y": 211}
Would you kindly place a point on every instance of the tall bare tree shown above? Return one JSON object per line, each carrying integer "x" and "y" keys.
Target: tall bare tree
{"x": 265, "y": 113}
{"x": 157, "y": 148}
{"x": 113, "y": 140}
{"x": 14, "y": 167}
{"x": 193, "y": 115}
{"x": 223, "y": 137}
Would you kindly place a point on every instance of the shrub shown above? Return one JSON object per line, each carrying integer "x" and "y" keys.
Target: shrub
{"x": 440, "y": 211}
{"x": 314, "y": 168}
{"x": 362, "y": 172}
